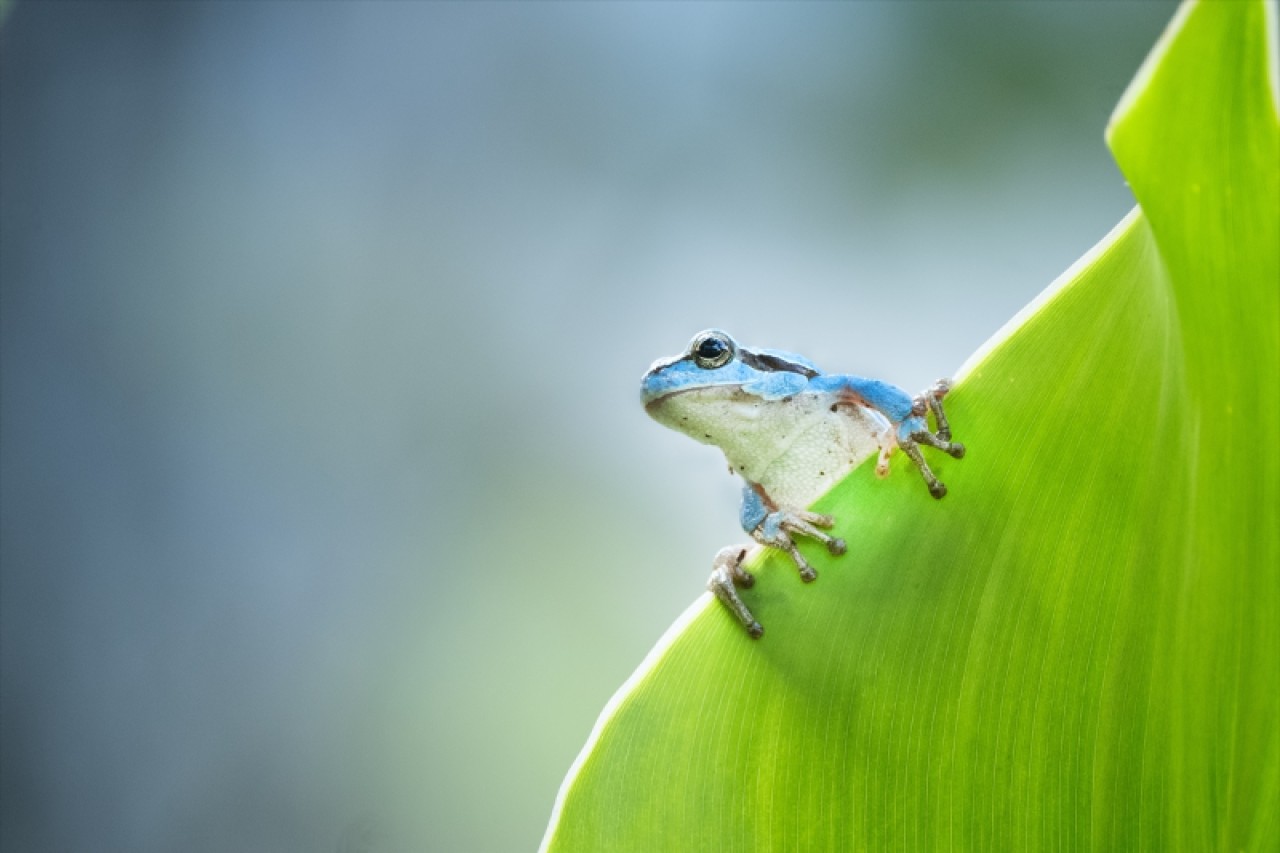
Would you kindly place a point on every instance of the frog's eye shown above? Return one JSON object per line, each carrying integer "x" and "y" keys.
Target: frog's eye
{"x": 712, "y": 350}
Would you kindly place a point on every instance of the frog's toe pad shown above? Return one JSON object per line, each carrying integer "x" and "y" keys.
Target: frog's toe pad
{"x": 837, "y": 547}
{"x": 938, "y": 490}
{"x": 756, "y": 630}
{"x": 957, "y": 450}
{"x": 808, "y": 575}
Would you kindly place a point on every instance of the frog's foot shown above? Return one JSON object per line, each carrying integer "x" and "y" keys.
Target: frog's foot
{"x": 909, "y": 447}
{"x": 727, "y": 574}
{"x": 780, "y": 526}
{"x": 953, "y": 449}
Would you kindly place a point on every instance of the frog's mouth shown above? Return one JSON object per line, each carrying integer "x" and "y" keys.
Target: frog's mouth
{"x": 656, "y": 384}
{"x": 661, "y": 401}
{"x": 653, "y": 404}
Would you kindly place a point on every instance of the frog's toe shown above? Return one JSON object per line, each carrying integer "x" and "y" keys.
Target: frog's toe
{"x": 806, "y": 523}
{"x": 756, "y": 630}
{"x": 956, "y": 450}
{"x": 815, "y": 518}
{"x": 808, "y": 575}
{"x": 938, "y": 490}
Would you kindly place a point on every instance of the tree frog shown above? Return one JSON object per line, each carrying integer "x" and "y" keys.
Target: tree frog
{"x": 790, "y": 432}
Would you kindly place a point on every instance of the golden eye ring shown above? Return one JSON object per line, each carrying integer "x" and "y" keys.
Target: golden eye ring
{"x": 712, "y": 349}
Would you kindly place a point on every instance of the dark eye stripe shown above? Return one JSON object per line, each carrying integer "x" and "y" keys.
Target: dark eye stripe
{"x": 773, "y": 363}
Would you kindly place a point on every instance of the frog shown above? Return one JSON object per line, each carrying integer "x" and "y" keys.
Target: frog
{"x": 790, "y": 432}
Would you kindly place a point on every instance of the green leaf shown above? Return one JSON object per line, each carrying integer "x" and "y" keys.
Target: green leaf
{"x": 1079, "y": 646}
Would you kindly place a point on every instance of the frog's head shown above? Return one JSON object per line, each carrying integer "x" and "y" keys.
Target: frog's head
{"x": 710, "y": 361}
{"x": 707, "y": 381}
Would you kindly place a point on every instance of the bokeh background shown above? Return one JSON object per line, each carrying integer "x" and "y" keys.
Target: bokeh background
{"x": 330, "y": 516}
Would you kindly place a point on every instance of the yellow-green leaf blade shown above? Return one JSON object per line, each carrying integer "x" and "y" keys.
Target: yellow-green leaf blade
{"x": 1078, "y": 646}
{"x": 1207, "y": 174}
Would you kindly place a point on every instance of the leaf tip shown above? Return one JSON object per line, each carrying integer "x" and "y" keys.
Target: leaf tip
{"x": 1147, "y": 70}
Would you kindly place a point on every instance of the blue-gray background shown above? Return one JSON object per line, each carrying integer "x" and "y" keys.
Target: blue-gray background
{"x": 330, "y": 519}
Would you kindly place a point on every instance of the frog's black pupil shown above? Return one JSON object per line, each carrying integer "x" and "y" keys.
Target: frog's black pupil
{"x": 711, "y": 349}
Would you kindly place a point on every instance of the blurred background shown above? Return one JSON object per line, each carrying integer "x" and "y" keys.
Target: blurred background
{"x": 330, "y": 518}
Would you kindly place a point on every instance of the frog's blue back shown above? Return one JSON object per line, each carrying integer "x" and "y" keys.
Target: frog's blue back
{"x": 889, "y": 399}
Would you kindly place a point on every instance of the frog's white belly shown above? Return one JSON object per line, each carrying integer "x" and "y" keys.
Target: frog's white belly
{"x": 797, "y": 451}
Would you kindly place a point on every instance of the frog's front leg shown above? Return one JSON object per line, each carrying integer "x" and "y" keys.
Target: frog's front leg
{"x": 776, "y": 527}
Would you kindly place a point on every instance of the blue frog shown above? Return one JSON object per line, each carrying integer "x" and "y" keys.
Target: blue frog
{"x": 791, "y": 432}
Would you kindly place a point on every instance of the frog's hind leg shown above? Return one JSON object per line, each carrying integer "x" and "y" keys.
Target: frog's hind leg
{"x": 726, "y": 575}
